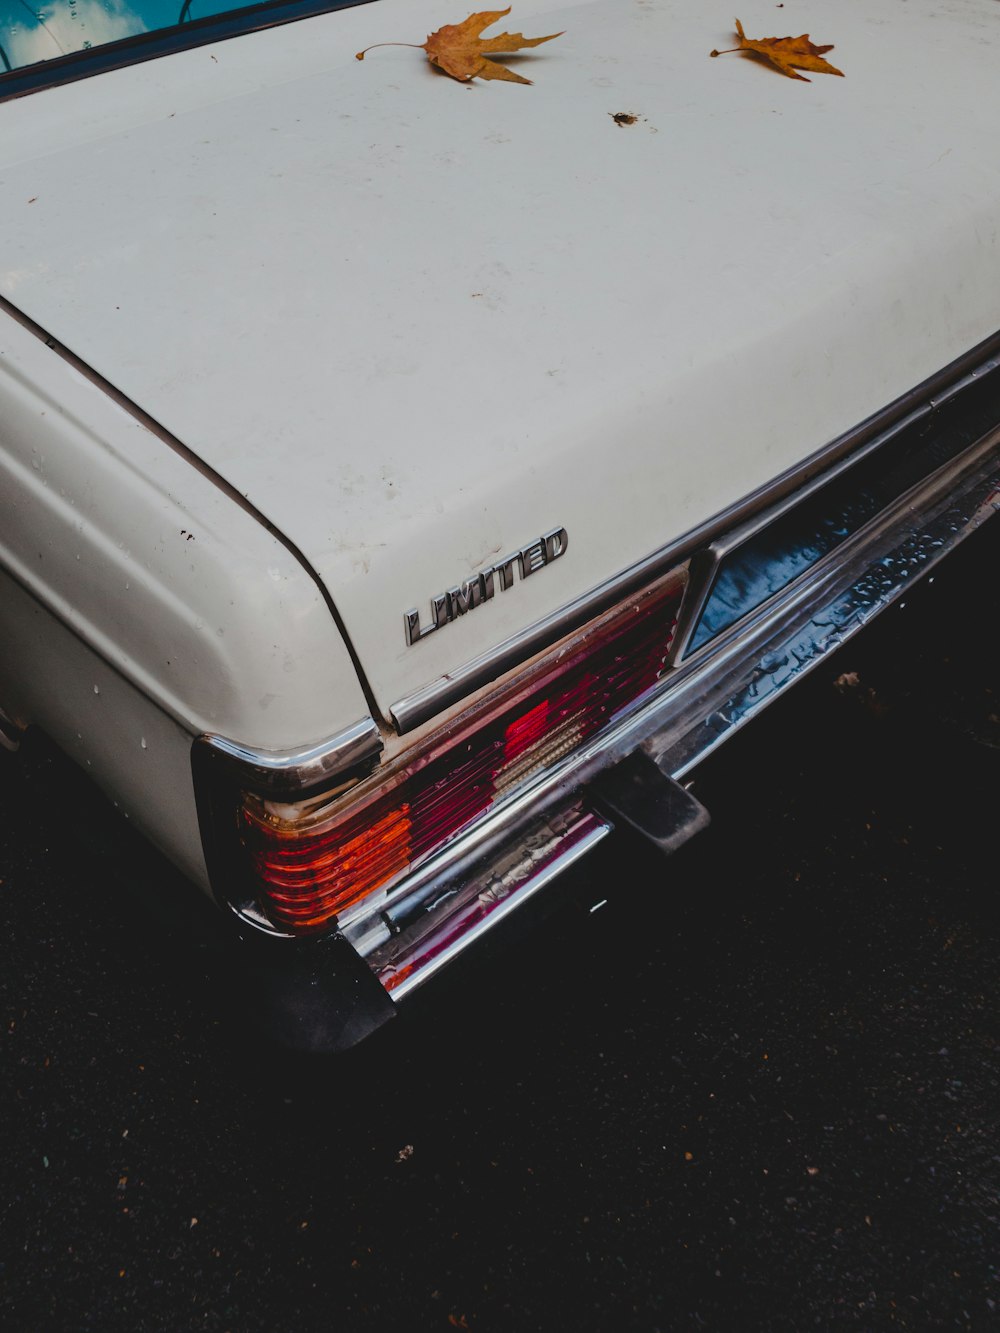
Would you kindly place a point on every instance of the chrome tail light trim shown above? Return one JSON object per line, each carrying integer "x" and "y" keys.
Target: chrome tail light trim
{"x": 222, "y": 769}
{"x": 285, "y": 771}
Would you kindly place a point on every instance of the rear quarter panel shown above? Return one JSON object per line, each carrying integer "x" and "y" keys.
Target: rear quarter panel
{"x": 142, "y": 604}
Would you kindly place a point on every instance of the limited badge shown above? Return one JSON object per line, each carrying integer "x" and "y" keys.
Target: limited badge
{"x": 469, "y": 594}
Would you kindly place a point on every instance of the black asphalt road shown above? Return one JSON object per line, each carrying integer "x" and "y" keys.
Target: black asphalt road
{"x": 759, "y": 1090}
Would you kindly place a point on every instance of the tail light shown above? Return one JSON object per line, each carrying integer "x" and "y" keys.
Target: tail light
{"x": 318, "y": 858}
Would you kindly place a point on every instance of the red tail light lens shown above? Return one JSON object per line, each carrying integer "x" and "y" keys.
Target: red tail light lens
{"x": 318, "y": 858}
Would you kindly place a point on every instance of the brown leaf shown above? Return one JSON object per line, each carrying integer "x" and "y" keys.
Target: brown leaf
{"x": 461, "y": 51}
{"x": 786, "y": 54}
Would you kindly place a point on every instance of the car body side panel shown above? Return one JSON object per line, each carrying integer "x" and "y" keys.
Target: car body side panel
{"x": 137, "y": 753}
{"x": 165, "y": 575}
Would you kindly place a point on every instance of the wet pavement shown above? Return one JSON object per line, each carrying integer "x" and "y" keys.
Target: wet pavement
{"x": 759, "y": 1090}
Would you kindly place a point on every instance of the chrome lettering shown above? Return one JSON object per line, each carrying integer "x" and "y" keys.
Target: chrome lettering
{"x": 556, "y": 542}
{"x": 469, "y": 594}
{"x": 411, "y": 621}
{"x": 506, "y": 571}
{"x": 531, "y": 558}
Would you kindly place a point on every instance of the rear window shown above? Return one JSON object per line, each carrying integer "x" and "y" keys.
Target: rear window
{"x": 49, "y": 41}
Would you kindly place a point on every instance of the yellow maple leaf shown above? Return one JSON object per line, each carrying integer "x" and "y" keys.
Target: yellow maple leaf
{"x": 461, "y": 51}
{"x": 786, "y": 54}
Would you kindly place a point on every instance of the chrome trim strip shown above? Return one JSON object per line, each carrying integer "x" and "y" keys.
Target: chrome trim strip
{"x": 284, "y": 772}
{"x": 248, "y": 911}
{"x": 701, "y": 579}
{"x": 731, "y": 539}
{"x": 414, "y": 709}
{"x": 732, "y": 678}
{"x": 434, "y": 950}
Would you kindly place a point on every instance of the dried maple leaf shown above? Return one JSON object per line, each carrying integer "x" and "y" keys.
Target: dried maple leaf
{"x": 786, "y": 54}
{"x": 461, "y": 50}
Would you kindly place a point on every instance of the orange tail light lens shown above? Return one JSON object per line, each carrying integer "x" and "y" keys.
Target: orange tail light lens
{"x": 317, "y": 859}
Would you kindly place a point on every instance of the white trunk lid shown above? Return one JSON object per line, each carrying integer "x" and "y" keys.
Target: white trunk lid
{"x": 418, "y": 324}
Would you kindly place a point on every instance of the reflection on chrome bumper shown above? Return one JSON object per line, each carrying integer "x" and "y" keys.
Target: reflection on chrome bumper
{"x": 438, "y": 922}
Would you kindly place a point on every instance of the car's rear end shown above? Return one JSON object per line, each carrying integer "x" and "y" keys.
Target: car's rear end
{"x": 412, "y": 859}
{"x": 592, "y": 434}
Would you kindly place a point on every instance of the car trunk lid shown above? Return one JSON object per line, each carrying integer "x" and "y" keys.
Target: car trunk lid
{"x": 423, "y": 327}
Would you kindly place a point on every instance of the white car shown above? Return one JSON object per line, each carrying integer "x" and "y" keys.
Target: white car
{"x": 403, "y": 481}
